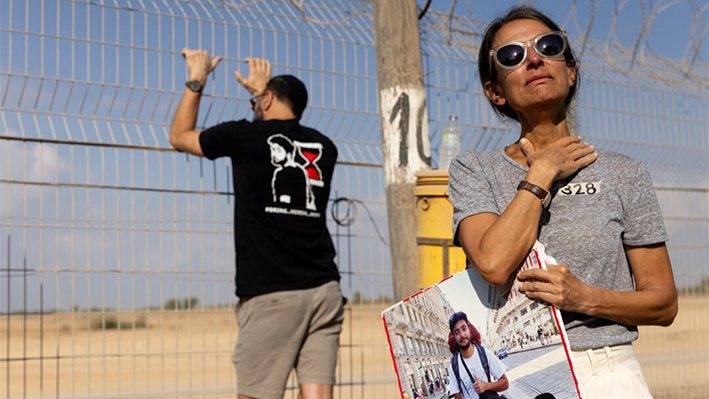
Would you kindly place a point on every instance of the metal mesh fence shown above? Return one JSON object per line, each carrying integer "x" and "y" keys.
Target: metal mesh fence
{"x": 118, "y": 252}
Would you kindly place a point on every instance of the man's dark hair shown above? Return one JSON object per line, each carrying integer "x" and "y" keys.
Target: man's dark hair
{"x": 291, "y": 91}
{"x": 486, "y": 66}
{"x": 457, "y": 316}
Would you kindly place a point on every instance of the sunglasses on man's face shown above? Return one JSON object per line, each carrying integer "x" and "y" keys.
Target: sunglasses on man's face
{"x": 253, "y": 100}
{"x": 550, "y": 45}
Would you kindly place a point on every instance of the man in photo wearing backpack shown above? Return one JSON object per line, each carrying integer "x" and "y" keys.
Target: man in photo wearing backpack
{"x": 476, "y": 372}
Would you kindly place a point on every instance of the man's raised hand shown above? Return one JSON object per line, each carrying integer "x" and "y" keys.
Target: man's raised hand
{"x": 259, "y": 75}
{"x": 199, "y": 64}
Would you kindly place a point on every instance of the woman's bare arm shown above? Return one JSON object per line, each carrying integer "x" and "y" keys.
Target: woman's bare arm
{"x": 654, "y": 301}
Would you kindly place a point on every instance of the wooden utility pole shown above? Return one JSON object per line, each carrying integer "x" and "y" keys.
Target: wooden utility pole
{"x": 402, "y": 104}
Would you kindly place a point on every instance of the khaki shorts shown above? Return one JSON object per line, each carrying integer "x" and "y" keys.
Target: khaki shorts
{"x": 610, "y": 372}
{"x": 287, "y": 329}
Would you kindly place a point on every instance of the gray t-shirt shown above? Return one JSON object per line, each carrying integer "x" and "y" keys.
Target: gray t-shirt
{"x": 591, "y": 215}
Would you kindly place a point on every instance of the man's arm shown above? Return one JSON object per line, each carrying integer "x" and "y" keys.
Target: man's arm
{"x": 182, "y": 134}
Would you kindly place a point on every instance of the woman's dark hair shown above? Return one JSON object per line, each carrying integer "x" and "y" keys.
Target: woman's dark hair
{"x": 486, "y": 66}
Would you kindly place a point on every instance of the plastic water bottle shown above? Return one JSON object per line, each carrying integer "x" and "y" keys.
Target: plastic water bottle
{"x": 450, "y": 143}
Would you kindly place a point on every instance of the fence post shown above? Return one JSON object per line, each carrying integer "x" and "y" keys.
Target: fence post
{"x": 402, "y": 104}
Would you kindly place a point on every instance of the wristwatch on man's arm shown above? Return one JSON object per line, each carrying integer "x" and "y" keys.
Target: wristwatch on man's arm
{"x": 195, "y": 85}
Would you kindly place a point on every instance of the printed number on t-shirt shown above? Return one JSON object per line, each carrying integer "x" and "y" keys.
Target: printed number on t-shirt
{"x": 589, "y": 188}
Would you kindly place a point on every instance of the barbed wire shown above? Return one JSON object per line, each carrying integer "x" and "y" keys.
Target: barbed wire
{"x": 461, "y": 27}
{"x": 233, "y": 5}
{"x": 300, "y": 6}
{"x": 637, "y": 60}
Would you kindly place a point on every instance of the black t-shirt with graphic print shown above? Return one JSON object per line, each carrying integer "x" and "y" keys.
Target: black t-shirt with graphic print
{"x": 282, "y": 174}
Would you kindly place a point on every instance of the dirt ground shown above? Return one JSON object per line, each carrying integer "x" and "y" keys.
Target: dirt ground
{"x": 675, "y": 359}
{"x": 188, "y": 353}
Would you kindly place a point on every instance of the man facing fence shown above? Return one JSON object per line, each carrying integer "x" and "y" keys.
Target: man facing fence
{"x": 472, "y": 366}
{"x": 290, "y": 308}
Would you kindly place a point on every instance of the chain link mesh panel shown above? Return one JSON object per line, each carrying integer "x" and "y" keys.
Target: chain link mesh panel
{"x": 118, "y": 251}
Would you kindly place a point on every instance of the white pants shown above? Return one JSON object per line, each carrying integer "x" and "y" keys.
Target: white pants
{"x": 610, "y": 372}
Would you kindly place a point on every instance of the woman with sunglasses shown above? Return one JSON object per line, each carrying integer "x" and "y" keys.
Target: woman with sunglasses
{"x": 594, "y": 210}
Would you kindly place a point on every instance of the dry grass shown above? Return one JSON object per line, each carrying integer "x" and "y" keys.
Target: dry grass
{"x": 171, "y": 354}
{"x": 675, "y": 359}
{"x": 117, "y": 322}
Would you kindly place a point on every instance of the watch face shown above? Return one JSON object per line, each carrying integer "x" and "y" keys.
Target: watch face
{"x": 194, "y": 86}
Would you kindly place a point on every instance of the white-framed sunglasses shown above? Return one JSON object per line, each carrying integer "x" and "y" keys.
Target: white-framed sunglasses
{"x": 550, "y": 45}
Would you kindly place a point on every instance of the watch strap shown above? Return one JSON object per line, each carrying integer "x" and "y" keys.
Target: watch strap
{"x": 541, "y": 193}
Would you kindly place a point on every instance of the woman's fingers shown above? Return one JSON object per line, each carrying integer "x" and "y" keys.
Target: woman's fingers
{"x": 533, "y": 274}
{"x": 565, "y": 156}
{"x": 556, "y": 286}
{"x": 581, "y": 151}
{"x": 583, "y": 156}
{"x": 527, "y": 147}
{"x": 586, "y": 160}
{"x": 579, "y": 155}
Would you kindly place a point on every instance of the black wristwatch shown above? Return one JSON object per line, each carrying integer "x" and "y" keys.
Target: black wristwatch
{"x": 541, "y": 193}
{"x": 195, "y": 86}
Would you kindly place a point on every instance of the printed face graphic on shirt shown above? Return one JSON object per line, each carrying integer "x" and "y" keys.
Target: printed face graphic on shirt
{"x": 278, "y": 154}
{"x": 296, "y": 171}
